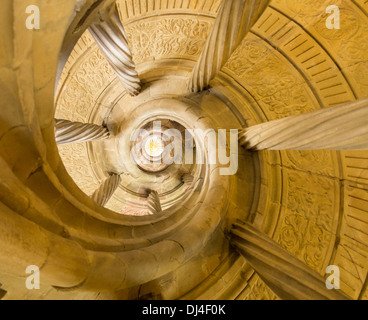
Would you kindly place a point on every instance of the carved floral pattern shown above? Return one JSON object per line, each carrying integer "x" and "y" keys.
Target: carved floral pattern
{"x": 278, "y": 87}
{"x": 167, "y": 37}
{"x": 306, "y": 229}
{"x": 259, "y": 291}
{"x": 349, "y": 25}
{"x": 75, "y": 159}
{"x": 77, "y": 97}
{"x": 308, "y": 7}
{"x": 319, "y": 161}
{"x": 246, "y": 56}
{"x": 361, "y": 71}
{"x": 348, "y": 46}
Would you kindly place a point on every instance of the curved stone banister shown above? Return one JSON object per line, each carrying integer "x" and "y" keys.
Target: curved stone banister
{"x": 343, "y": 127}
{"x": 233, "y": 22}
{"x": 70, "y": 132}
{"x": 111, "y": 38}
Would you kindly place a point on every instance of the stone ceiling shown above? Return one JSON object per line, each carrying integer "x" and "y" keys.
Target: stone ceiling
{"x": 310, "y": 202}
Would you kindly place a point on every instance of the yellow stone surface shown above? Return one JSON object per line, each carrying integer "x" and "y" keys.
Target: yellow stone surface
{"x": 314, "y": 204}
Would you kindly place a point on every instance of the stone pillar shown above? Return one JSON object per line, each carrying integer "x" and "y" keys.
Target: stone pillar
{"x": 103, "y": 194}
{"x": 233, "y": 22}
{"x": 69, "y": 132}
{"x": 111, "y": 38}
{"x": 153, "y": 203}
{"x": 286, "y": 275}
{"x": 344, "y": 127}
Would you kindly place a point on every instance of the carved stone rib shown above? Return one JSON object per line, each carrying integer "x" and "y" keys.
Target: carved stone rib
{"x": 153, "y": 203}
{"x": 233, "y": 22}
{"x": 344, "y": 127}
{"x": 69, "y": 132}
{"x": 285, "y": 274}
{"x": 103, "y": 194}
{"x": 111, "y": 38}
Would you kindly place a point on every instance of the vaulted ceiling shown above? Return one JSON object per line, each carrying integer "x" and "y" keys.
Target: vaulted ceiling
{"x": 312, "y": 203}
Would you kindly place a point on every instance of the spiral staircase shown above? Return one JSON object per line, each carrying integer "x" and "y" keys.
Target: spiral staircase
{"x": 78, "y": 201}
